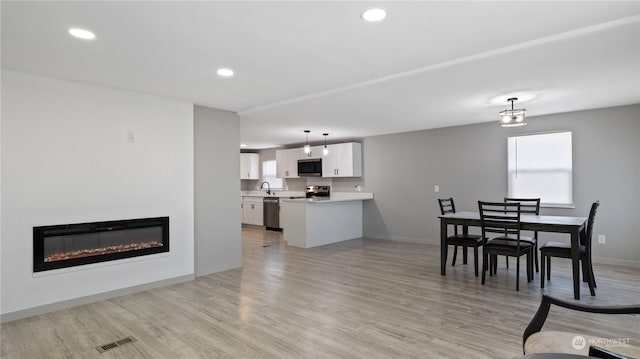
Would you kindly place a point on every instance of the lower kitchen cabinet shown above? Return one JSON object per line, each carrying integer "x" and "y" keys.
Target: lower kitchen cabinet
{"x": 252, "y": 211}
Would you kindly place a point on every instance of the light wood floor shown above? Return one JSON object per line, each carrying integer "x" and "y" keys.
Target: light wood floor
{"x": 362, "y": 298}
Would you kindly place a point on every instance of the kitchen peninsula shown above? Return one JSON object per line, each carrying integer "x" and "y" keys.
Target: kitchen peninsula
{"x": 312, "y": 222}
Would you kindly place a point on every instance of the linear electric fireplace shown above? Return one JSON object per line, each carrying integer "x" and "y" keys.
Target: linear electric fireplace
{"x": 70, "y": 245}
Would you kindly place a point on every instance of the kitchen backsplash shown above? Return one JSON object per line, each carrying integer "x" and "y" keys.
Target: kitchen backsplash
{"x": 346, "y": 184}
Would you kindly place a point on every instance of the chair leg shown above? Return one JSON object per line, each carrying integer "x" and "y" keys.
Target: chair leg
{"x": 506, "y": 259}
{"x": 585, "y": 271}
{"x": 464, "y": 254}
{"x": 529, "y": 266}
{"x": 548, "y": 268}
{"x": 475, "y": 260}
{"x": 485, "y": 259}
{"x": 527, "y": 269}
{"x": 592, "y": 278}
{"x": 542, "y": 257}
{"x": 535, "y": 253}
{"x": 495, "y": 264}
{"x": 455, "y": 254}
{"x": 518, "y": 274}
{"x": 532, "y": 266}
{"x": 533, "y": 274}
{"x": 591, "y": 287}
{"x": 492, "y": 259}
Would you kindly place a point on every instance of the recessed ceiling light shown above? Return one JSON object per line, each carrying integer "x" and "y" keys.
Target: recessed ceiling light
{"x": 225, "y": 72}
{"x": 244, "y": 145}
{"x": 82, "y": 34}
{"x": 373, "y": 15}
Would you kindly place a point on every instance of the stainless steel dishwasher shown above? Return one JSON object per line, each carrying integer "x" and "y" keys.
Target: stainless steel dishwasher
{"x": 272, "y": 213}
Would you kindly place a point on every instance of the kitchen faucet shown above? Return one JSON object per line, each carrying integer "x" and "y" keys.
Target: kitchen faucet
{"x": 268, "y": 186}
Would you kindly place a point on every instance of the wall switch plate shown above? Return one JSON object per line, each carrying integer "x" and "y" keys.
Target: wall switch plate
{"x": 436, "y": 188}
{"x": 131, "y": 136}
{"x": 602, "y": 239}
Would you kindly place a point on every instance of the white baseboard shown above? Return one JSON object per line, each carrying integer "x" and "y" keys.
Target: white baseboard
{"x": 220, "y": 267}
{"x": 401, "y": 239}
{"x": 616, "y": 262}
{"x": 596, "y": 260}
{"x": 48, "y": 308}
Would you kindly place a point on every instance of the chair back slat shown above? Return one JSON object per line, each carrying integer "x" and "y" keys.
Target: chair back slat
{"x": 527, "y": 205}
{"x": 447, "y": 205}
{"x": 500, "y": 217}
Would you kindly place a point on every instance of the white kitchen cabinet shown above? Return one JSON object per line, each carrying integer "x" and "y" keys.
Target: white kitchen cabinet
{"x": 249, "y": 166}
{"x": 343, "y": 160}
{"x": 252, "y": 210}
{"x": 287, "y": 162}
{"x": 316, "y": 152}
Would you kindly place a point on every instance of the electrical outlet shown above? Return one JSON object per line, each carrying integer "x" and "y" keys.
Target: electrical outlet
{"x": 436, "y": 188}
{"x": 602, "y": 239}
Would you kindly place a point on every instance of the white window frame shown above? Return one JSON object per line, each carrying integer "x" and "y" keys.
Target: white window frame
{"x": 544, "y": 162}
{"x": 274, "y": 181}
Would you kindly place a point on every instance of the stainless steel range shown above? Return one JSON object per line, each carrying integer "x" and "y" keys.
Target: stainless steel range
{"x": 318, "y": 192}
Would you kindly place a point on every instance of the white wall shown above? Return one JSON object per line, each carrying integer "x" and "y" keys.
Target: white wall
{"x": 218, "y": 241}
{"x": 66, "y": 159}
{"x": 469, "y": 163}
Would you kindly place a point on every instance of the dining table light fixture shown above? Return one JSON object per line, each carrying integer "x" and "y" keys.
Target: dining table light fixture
{"x": 513, "y": 117}
{"x": 307, "y": 148}
{"x": 325, "y": 150}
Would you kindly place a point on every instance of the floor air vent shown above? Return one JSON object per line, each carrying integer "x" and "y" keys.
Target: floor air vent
{"x": 117, "y": 343}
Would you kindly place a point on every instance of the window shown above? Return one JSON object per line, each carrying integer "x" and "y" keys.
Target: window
{"x": 541, "y": 166}
{"x": 269, "y": 174}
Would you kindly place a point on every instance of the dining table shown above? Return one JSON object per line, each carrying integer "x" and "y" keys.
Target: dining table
{"x": 575, "y": 226}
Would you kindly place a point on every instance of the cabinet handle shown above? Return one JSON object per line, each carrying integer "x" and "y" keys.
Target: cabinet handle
{"x": 252, "y": 206}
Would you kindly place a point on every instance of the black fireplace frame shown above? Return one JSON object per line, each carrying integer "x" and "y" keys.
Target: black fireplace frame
{"x": 42, "y": 232}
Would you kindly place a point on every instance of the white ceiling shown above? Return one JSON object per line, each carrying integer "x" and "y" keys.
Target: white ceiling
{"x": 316, "y": 65}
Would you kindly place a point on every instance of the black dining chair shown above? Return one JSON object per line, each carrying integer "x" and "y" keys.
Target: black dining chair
{"x": 528, "y": 206}
{"x": 463, "y": 238}
{"x": 503, "y": 219}
{"x": 563, "y": 250}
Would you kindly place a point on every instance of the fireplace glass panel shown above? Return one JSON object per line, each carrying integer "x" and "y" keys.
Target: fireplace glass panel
{"x": 60, "y": 248}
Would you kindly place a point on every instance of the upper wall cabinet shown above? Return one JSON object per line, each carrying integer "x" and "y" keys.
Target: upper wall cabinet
{"x": 287, "y": 163}
{"x": 343, "y": 160}
{"x": 249, "y": 166}
{"x": 316, "y": 152}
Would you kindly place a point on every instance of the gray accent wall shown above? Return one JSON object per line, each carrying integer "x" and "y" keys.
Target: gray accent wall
{"x": 469, "y": 163}
{"x": 218, "y": 244}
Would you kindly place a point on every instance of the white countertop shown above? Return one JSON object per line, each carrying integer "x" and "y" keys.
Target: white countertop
{"x": 263, "y": 193}
{"x": 335, "y": 197}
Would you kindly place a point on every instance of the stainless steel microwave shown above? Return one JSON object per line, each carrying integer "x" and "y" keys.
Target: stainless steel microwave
{"x": 310, "y": 167}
